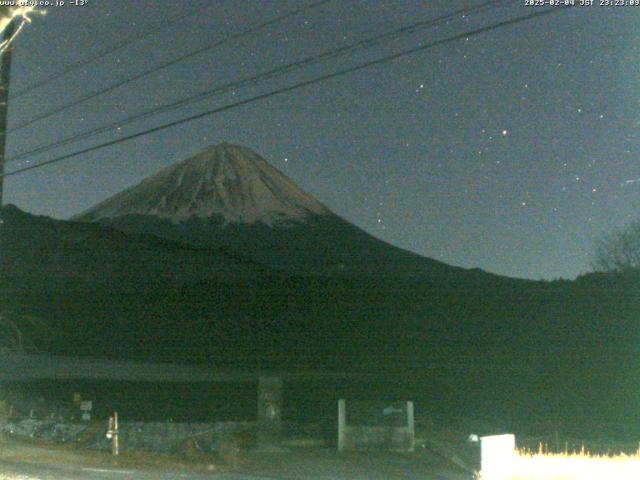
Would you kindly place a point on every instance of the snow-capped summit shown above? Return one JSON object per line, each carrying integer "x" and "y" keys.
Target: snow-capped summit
{"x": 227, "y": 182}
{"x": 229, "y": 197}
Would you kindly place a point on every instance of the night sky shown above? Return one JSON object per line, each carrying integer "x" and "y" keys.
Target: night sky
{"x": 513, "y": 150}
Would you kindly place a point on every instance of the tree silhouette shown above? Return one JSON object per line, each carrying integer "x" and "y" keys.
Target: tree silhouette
{"x": 18, "y": 332}
{"x": 619, "y": 252}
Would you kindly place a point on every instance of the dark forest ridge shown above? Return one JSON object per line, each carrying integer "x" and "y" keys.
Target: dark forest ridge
{"x": 109, "y": 294}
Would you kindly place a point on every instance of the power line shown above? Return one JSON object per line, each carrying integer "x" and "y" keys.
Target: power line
{"x": 296, "y": 86}
{"x": 310, "y": 60}
{"x": 170, "y": 63}
{"x": 110, "y": 50}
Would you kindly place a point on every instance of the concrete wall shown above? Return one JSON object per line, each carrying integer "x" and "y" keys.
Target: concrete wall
{"x": 383, "y": 438}
{"x": 364, "y": 437}
{"x": 169, "y": 437}
{"x": 161, "y": 437}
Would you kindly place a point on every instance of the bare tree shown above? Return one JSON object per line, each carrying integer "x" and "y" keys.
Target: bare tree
{"x": 619, "y": 252}
{"x": 17, "y": 332}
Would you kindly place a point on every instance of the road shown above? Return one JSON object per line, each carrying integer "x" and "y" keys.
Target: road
{"x": 30, "y": 471}
{"x": 19, "y": 461}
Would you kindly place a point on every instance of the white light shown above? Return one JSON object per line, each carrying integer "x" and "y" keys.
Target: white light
{"x": 23, "y": 13}
{"x": 500, "y": 461}
{"x": 497, "y": 456}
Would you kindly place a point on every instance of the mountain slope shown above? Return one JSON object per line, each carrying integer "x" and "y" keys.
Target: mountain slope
{"x": 558, "y": 349}
{"x": 228, "y": 196}
{"x": 227, "y": 182}
{"x": 40, "y": 250}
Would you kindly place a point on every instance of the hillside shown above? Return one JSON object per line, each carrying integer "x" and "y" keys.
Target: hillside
{"x": 508, "y": 348}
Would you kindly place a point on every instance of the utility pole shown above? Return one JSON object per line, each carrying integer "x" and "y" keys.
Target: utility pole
{"x": 5, "y": 75}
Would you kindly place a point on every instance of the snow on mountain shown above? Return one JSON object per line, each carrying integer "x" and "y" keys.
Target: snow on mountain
{"x": 224, "y": 181}
{"x": 229, "y": 197}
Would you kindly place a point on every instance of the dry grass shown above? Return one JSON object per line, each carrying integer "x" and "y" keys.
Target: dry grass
{"x": 566, "y": 466}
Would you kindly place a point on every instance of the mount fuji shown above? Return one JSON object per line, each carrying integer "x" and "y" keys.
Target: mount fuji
{"x": 229, "y": 197}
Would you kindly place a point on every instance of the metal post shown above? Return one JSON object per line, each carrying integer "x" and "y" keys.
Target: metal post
{"x": 269, "y": 412}
{"x": 116, "y": 445}
{"x": 342, "y": 424}
{"x": 112, "y": 434}
{"x": 411, "y": 426}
